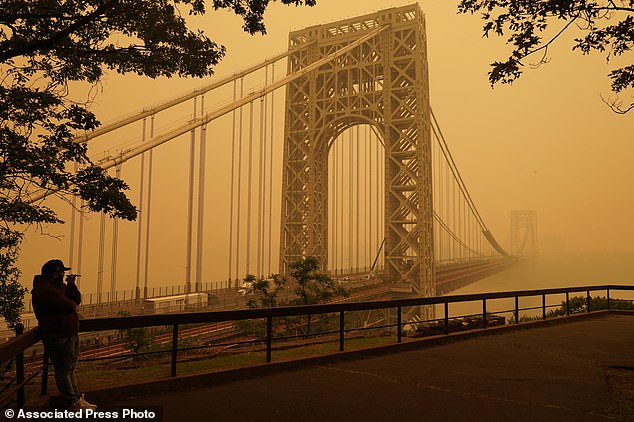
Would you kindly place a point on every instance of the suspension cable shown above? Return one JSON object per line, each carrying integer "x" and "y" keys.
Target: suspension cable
{"x": 454, "y": 169}
{"x": 239, "y": 172}
{"x": 80, "y": 243}
{"x": 369, "y": 161}
{"x": 115, "y": 246}
{"x": 350, "y": 204}
{"x": 334, "y": 210}
{"x": 249, "y": 189}
{"x": 71, "y": 252}
{"x": 190, "y": 208}
{"x": 457, "y": 176}
{"x": 148, "y": 214}
{"x": 153, "y": 142}
{"x": 100, "y": 255}
{"x": 451, "y": 233}
{"x": 271, "y": 167}
{"x": 146, "y": 112}
{"x": 141, "y": 215}
{"x": 233, "y": 149}
{"x": 263, "y": 157}
{"x": 260, "y": 179}
{"x": 201, "y": 198}
{"x": 357, "y": 164}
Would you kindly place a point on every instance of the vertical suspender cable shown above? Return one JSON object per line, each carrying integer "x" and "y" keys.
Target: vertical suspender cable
{"x": 270, "y": 270}
{"x": 115, "y": 245}
{"x": 190, "y": 210}
{"x": 141, "y": 215}
{"x": 80, "y": 244}
{"x": 350, "y": 202}
{"x": 453, "y": 216}
{"x": 249, "y": 188}
{"x": 334, "y": 265}
{"x": 261, "y": 148}
{"x": 441, "y": 232}
{"x": 239, "y": 173}
{"x": 146, "y": 271}
{"x": 461, "y": 235}
{"x": 336, "y": 206}
{"x": 201, "y": 199}
{"x": 434, "y": 195}
{"x": 435, "y": 184}
{"x": 342, "y": 257}
{"x": 441, "y": 208}
{"x": 471, "y": 237}
{"x": 368, "y": 210}
{"x": 262, "y": 216}
{"x": 100, "y": 257}
{"x": 379, "y": 210}
{"x": 446, "y": 216}
{"x": 383, "y": 198}
{"x": 332, "y": 177}
{"x": 357, "y": 164}
{"x": 71, "y": 252}
{"x": 232, "y": 175}
{"x": 368, "y": 201}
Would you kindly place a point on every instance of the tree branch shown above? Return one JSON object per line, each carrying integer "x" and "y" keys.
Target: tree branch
{"x": 545, "y": 46}
{"x": 616, "y": 106}
{"x": 48, "y": 43}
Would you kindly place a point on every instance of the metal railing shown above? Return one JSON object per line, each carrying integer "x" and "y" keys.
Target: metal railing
{"x": 15, "y": 347}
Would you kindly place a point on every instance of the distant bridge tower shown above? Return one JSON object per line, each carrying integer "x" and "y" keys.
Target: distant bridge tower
{"x": 382, "y": 82}
{"x": 524, "y": 232}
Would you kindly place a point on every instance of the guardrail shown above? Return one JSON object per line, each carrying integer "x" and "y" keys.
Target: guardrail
{"x": 15, "y": 347}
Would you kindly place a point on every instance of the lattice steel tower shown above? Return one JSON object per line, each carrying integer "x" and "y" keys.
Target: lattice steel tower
{"x": 524, "y": 232}
{"x": 382, "y": 82}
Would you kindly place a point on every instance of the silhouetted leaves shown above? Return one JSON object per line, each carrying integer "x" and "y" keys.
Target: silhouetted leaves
{"x": 45, "y": 45}
{"x": 532, "y": 26}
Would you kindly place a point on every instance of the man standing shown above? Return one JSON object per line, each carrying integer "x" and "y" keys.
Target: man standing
{"x": 55, "y": 305}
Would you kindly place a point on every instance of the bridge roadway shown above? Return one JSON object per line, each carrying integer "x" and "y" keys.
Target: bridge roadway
{"x": 554, "y": 371}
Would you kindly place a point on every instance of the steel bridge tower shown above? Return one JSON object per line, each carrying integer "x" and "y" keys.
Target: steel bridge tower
{"x": 382, "y": 82}
{"x": 524, "y": 232}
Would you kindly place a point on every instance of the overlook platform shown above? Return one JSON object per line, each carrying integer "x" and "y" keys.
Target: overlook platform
{"x": 580, "y": 368}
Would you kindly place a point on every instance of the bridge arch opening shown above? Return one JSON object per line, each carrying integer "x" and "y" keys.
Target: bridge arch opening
{"x": 356, "y": 200}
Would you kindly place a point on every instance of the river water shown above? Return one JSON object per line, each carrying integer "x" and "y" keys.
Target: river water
{"x": 549, "y": 272}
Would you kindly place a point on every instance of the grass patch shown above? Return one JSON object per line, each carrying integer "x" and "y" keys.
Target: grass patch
{"x": 94, "y": 376}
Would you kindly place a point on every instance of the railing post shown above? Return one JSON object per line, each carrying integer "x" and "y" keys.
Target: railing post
{"x": 567, "y": 303}
{"x": 588, "y": 301}
{"x": 44, "y": 386}
{"x": 484, "y": 313}
{"x": 543, "y": 305}
{"x": 269, "y": 332}
{"x": 399, "y": 334}
{"x": 19, "y": 369}
{"x": 517, "y": 309}
{"x": 446, "y": 317}
{"x": 341, "y": 330}
{"x": 608, "y": 294}
{"x": 174, "y": 349}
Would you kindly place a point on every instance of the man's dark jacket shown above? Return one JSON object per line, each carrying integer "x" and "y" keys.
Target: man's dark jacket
{"x": 55, "y": 306}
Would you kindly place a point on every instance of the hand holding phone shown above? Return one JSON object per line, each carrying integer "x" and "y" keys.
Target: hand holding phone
{"x": 70, "y": 278}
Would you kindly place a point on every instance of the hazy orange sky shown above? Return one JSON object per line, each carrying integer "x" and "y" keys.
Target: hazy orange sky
{"x": 546, "y": 143}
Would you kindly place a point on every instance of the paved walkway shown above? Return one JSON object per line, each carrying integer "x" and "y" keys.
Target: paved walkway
{"x": 553, "y": 373}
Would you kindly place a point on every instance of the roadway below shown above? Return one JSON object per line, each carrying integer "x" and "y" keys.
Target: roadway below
{"x": 549, "y": 372}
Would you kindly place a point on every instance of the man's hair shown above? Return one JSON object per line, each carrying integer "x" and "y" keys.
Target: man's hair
{"x": 54, "y": 265}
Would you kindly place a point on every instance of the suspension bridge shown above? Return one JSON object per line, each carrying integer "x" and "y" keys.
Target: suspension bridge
{"x": 342, "y": 118}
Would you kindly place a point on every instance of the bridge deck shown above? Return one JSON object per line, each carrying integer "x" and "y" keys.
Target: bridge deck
{"x": 552, "y": 373}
